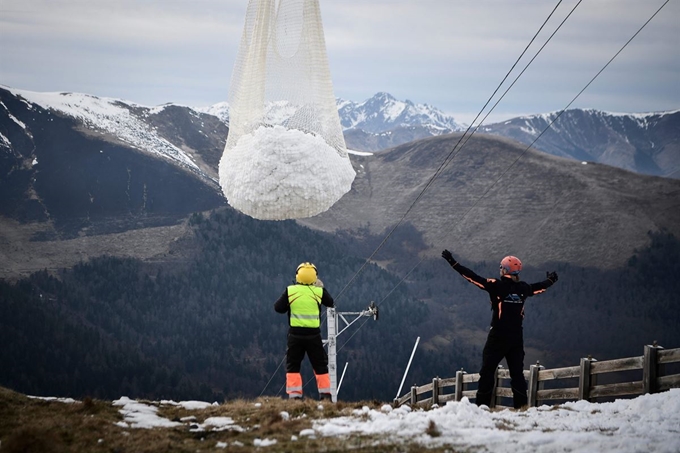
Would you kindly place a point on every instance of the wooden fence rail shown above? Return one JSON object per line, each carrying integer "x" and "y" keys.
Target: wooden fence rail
{"x": 561, "y": 381}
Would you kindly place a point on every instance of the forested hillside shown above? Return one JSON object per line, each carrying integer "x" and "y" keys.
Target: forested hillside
{"x": 115, "y": 326}
{"x": 206, "y": 329}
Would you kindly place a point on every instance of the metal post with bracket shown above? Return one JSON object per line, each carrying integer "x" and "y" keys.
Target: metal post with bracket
{"x": 333, "y": 322}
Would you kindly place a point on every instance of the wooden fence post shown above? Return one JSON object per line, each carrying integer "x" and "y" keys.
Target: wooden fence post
{"x": 533, "y": 384}
{"x": 584, "y": 380}
{"x": 414, "y": 395}
{"x": 650, "y": 368}
{"x": 435, "y": 390}
{"x": 459, "y": 384}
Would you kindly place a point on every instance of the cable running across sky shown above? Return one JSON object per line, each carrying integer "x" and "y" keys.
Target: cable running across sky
{"x": 519, "y": 157}
{"x": 451, "y": 155}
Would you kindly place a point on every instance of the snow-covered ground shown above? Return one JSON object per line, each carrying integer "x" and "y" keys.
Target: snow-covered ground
{"x": 649, "y": 423}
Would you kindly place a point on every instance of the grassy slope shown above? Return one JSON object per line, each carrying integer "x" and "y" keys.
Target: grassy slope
{"x": 29, "y": 424}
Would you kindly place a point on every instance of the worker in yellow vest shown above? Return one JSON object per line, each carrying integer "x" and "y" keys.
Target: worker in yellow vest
{"x": 302, "y": 301}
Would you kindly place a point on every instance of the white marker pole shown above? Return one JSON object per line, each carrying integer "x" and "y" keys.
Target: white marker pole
{"x": 407, "y": 367}
{"x": 341, "y": 378}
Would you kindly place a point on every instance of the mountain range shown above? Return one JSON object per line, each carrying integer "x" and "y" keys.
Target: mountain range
{"x": 641, "y": 142}
{"x": 644, "y": 143}
{"x": 76, "y": 165}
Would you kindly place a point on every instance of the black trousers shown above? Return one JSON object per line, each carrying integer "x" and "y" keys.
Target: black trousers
{"x": 497, "y": 348}
{"x": 312, "y": 345}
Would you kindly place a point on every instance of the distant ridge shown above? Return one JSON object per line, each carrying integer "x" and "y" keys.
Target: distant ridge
{"x": 544, "y": 208}
{"x": 647, "y": 143}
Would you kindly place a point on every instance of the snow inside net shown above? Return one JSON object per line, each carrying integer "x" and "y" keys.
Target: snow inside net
{"x": 285, "y": 155}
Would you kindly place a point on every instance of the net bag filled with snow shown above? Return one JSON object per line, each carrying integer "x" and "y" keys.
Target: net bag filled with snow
{"x": 285, "y": 156}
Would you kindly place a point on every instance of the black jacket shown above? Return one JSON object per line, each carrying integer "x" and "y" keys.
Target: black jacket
{"x": 282, "y": 306}
{"x": 507, "y": 299}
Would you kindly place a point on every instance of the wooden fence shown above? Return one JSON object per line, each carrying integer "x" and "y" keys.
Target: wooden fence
{"x": 559, "y": 384}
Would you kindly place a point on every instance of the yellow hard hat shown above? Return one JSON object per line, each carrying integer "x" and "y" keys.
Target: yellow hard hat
{"x": 305, "y": 274}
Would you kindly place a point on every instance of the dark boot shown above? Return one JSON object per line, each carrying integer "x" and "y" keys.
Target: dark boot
{"x": 483, "y": 398}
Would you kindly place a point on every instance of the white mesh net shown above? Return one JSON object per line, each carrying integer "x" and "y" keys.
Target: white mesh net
{"x": 285, "y": 155}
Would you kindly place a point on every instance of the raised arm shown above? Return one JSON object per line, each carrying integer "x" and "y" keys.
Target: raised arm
{"x": 540, "y": 287}
{"x": 467, "y": 274}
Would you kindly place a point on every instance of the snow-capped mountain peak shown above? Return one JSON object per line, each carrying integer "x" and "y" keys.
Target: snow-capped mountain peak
{"x": 378, "y": 114}
{"x": 383, "y": 113}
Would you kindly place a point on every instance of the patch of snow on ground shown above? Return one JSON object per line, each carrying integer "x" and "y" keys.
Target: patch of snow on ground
{"x": 140, "y": 415}
{"x": 13, "y": 118}
{"x": 359, "y": 153}
{"x": 649, "y": 423}
{"x": 191, "y": 405}
{"x": 264, "y": 442}
{"x": 5, "y": 141}
{"x": 54, "y": 398}
{"x": 221, "y": 424}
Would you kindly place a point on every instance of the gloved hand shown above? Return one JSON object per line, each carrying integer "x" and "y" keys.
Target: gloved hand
{"x": 552, "y": 276}
{"x": 449, "y": 257}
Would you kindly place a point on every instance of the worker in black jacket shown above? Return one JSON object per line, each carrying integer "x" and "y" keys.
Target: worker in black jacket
{"x": 302, "y": 302}
{"x": 505, "y": 339}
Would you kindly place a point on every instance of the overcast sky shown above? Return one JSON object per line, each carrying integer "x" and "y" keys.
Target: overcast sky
{"x": 447, "y": 53}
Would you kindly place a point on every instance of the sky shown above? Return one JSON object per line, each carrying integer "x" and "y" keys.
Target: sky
{"x": 648, "y": 423}
{"x": 450, "y": 54}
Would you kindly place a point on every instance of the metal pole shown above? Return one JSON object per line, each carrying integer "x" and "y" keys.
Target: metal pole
{"x": 332, "y": 323}
{"x": 407, "y": 367}
{"x": 341, "y": 378}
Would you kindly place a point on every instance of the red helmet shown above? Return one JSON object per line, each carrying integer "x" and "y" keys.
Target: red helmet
{"x": 511, "y": 265}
